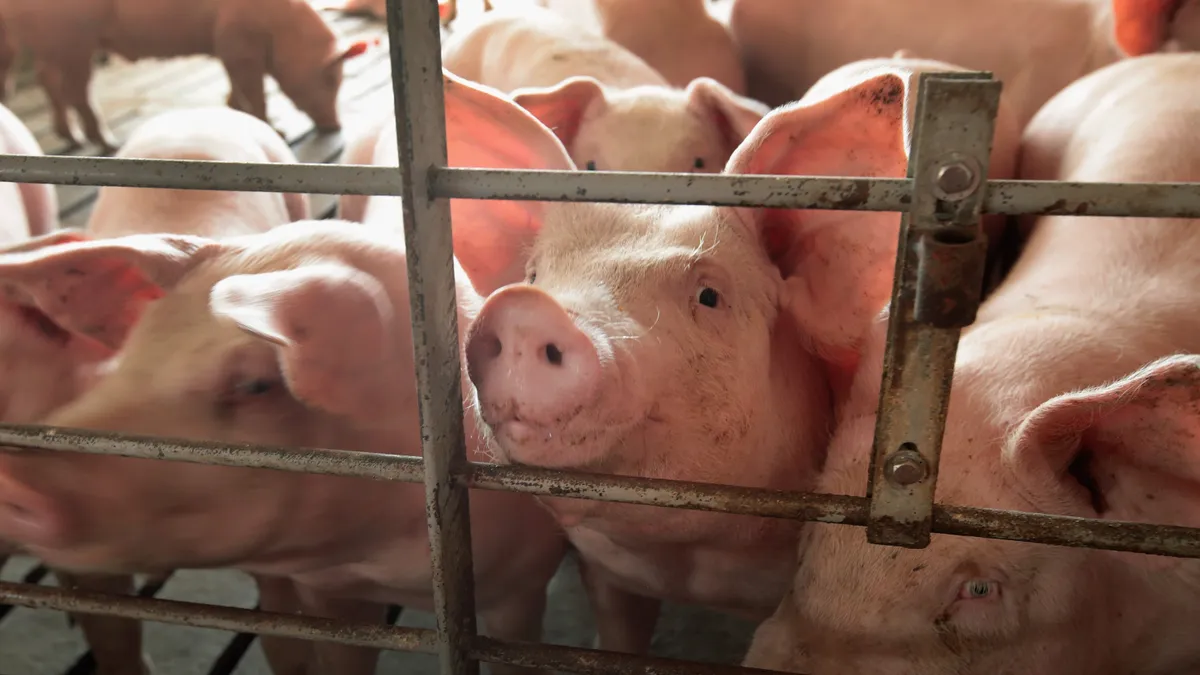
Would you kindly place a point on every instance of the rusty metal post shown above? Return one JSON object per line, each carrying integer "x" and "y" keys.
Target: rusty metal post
{"x": 415, "y": 36}
{"x": 936, "y": 293}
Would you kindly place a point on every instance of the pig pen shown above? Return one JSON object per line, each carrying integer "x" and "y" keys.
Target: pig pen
{"x": 40, "y": 641}
{"x": 35, "y": 638}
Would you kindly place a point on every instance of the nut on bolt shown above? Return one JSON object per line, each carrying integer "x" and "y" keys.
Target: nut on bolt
{"x": 905, "y": 467}
{"x": 956, "y": 179}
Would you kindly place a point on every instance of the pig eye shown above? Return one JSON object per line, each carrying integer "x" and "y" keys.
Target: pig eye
{"x": 708, "y": 297}
{"x": 699, "y": 163}
{"x": 532, "y": 277}
{"x": 979, "y": 589}
{"x": 255, "y": 387}
{"x": 591, "y": 165}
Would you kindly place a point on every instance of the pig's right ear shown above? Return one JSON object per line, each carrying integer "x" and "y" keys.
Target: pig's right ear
{"x": 333, "y": 327}
{"x": 837, "y": 266}
{"x": 1142, "y": 26}
{"x": 96, "y": 288}
{"x": 487, "y": 130}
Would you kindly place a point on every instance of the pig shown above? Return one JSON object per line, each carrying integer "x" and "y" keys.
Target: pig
{"x": 1036, "y": 47}
{"x": 699, "y": 44}
{"x": 691, "y": 343}
{"x": 1075, "y": 393}
{"x": 295, "y": 337}
{"x": 611, "y": 110}
{"x": 37, "y": 375}
{"x": 46, "y": 366}
{"x": 286, "y": 39}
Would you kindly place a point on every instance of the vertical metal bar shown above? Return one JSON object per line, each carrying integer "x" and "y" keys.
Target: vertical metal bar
{"x": 938, "y": 283}
{"x": 415, "y": 36}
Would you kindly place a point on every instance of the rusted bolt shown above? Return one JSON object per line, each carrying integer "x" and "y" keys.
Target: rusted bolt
{"x": 905, "y": 467}
{"x": 956, "y": 180}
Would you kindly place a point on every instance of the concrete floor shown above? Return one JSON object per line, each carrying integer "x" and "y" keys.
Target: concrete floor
{"x": 39, "y": 642}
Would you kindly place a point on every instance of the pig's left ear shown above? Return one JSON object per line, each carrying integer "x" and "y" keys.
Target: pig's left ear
{"x": 96, "y": 288}
{"x": 561, "y": 107}
{"x": 1129, "y": 450}
{"x": 332, "y": 325}
{"x": 735, "y": 115}
{"x": 837, "y": 274}
{"x": 1142, "y": 26}
{"x": 352, "y": 49}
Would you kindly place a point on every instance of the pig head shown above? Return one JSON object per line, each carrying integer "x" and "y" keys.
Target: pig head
{"x": 646, "y": 128}
{"x": 611, "y": 109}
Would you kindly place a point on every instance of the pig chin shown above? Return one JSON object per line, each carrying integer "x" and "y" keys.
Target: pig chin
{"x": 580, "y": 437}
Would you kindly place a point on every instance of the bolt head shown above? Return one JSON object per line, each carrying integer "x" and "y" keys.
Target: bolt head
{"x": 905, "y": 467}
{"x": 955, "y": 178}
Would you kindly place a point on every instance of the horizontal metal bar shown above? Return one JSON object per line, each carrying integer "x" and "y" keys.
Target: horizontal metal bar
{"x": 1012, "y": 197}
{"x": 332, "y": 179}
{"x": 1169, "y": 540}
{"x": 360, "y": 633}
{"x": 595, "y": 661}
{"x": 364, "y": 634}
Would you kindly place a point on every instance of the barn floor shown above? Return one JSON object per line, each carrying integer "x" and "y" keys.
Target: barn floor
{"x": 39, "y": 642}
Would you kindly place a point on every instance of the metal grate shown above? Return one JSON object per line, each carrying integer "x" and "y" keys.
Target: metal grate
{"x": 938, "y": 256}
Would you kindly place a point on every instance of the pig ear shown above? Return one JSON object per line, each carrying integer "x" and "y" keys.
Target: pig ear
{"x": 332, "y": 325}
{"x": 487, "y": 130}
{"x": 838, "y": 274}
{"x": 1128, "y": 450}
{"x": 736, "y": 116}
{"x": 562, "y": 106}
{"x": 1142, "y": 26}
{"x": 97, "y": 288}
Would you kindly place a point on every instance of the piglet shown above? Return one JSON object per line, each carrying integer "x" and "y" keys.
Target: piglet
{"x": 1076, "y": 392}
{"x": 286, "y": 39}
{"x": 1036, "y": 47}
{"x": 611, "y": 109}
{"x": 693, "y": 343}
{"x": 678, "y": 38}
{"x": 295, "y": 337}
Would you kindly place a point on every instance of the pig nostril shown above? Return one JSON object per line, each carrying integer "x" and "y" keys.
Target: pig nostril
{"x": 553, "y": 355}
{"x": 492, "y": 347}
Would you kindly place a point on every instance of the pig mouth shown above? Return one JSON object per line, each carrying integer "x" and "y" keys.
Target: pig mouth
{"x": 575, "y": 441}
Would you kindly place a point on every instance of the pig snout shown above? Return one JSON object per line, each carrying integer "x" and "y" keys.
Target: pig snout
{"x": 530, "y": 363}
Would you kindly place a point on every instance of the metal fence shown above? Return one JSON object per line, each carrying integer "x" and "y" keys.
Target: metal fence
{"x": 935, "y": 294}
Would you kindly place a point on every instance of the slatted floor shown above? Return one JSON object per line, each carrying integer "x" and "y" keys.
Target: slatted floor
{"x": 39, "y": 642}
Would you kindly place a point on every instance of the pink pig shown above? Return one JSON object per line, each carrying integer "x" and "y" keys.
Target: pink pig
{"x": 296, "y": 337}
{"x": 678, "y": 38}
{"x": 1036, "y": 47}
{"x": 46, "y": 366}
{"x": 1076, "y": 393}
{"x": 692, "y": 343}
{"x": 612, "y": 111}
{"x": 39, "y": 374}
{"x": 286, "y": 39}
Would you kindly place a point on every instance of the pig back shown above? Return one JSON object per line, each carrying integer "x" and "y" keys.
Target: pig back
{"x": 537, "y": 48}
{"x": 30, "y": 209}
{"x": 1097, "y": 130}
{"x": 212, "y": 134}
